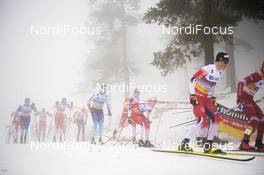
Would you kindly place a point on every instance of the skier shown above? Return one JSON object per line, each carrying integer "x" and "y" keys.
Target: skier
{"x": 202, "y": 89}
{"x": 139, "y": 114}
{"x": 246, "y": 89}
{"x": 124, "y": 115}
{"x": 95, "y": 105}
{"x": 80, "y": 118}
{"x": 24, "y": 114}
{"x": 12, "y": 129}
{"x": 60, "y": 118}
{"x": 43, "y": 114}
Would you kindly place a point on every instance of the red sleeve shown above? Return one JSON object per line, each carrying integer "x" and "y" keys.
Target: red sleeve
{"x": 201, "y": 72}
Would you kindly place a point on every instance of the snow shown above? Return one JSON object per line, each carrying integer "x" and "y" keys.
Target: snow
{"x": 71, "y": 157}
{"x": 118, "y": 160}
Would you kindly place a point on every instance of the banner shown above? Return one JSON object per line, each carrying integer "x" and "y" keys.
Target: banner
{"x": 233, "y": 121}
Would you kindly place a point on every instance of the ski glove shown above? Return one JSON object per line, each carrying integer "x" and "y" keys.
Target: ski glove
{"x": 214, "y": 101}
{"x": 129, "y": 120}
{"x": 241, "y": 104}
{"x": 193, "y": 99}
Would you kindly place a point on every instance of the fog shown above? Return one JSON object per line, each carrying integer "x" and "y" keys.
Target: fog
{"x": 49, "y": 67}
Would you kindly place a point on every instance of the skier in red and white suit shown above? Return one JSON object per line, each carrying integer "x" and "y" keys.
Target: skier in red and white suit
{"x": 134, "y": 98}
{"x": 246, "y": 90}
{"x": 60, "y": 118}
{"x": 138, "y": 114}
{"x": 202, "y": 89}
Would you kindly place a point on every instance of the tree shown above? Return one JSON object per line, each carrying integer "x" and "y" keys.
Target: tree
{"x": 111, "y": 63}
{"x": 210, "y": 13}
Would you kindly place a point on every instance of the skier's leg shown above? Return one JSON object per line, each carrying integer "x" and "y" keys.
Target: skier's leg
{"x": 44, "y": 130}
{"x": 199, "y": 113}
{"x": 26, "y": 128}
{"x": 141, "y": 136}
{"x": 101, "y": 125}
{"x": 215, "y": 119}
{"x": 83, "y": 129}
{"x": 250, "y": 111}
{"x": 57, "y": 126}
{"x": 40, "y": 130}
{"x": 79, "y": 129}
{"x": 94, "y": 128}
{"x": 22, "y": 129}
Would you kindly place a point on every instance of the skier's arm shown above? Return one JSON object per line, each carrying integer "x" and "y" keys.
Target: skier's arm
{"x": 240, "y": 88}
{"x": 18, "y": 111}
{"x": 34, "y": 108}
{"x": 198, "y": 75}
{"x": 89, "y": 103}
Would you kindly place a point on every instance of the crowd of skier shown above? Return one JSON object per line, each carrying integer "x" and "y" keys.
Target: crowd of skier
{"x": 137, "y": 112}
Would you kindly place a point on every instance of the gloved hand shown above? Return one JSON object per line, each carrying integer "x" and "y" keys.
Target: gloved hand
{"x": 129, "y": 120}
{"x": 241, "y": 104}
{"x": 193, "y": 99}
{"x": 214, "y": 101}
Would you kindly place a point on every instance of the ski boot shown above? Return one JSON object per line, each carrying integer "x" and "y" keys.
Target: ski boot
{"x": 93, "y": 140}
{"x": 148, "y": 144}
{"x": 100, "y": 140}
{"x": 246, "y": 147}
{"x": 141, "y": 143}
{"x": 185, "y": 145}
{"x": 208, "y": 148}
{"x": 114, "y": 134}
{"x": 134, "y": 140}
{"x": 259, "y": 145}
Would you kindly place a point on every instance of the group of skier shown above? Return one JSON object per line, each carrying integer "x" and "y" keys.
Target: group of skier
{"x": 202, "y": 97}
{"x": 137, "y": 113}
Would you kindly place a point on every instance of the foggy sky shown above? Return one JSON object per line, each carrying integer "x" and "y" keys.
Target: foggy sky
{"x": 47, "y": 68}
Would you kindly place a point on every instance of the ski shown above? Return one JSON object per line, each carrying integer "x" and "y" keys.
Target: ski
{"x": 225, "y": 156}
{"x": 248, "y": 153}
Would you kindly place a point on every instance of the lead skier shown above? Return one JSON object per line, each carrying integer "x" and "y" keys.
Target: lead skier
{"x": 202, "y": 89}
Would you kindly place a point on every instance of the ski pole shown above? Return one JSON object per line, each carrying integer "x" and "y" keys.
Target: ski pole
{"x": 182, "y": 112}
{"x": 182, "y": 123}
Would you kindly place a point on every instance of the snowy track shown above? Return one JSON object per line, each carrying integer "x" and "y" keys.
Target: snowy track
{"x": 118, "y": 160}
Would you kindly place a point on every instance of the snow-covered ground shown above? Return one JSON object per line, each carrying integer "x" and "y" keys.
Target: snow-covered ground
{"x": 118, "y": 160}
{"x": 82, "y": 158}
